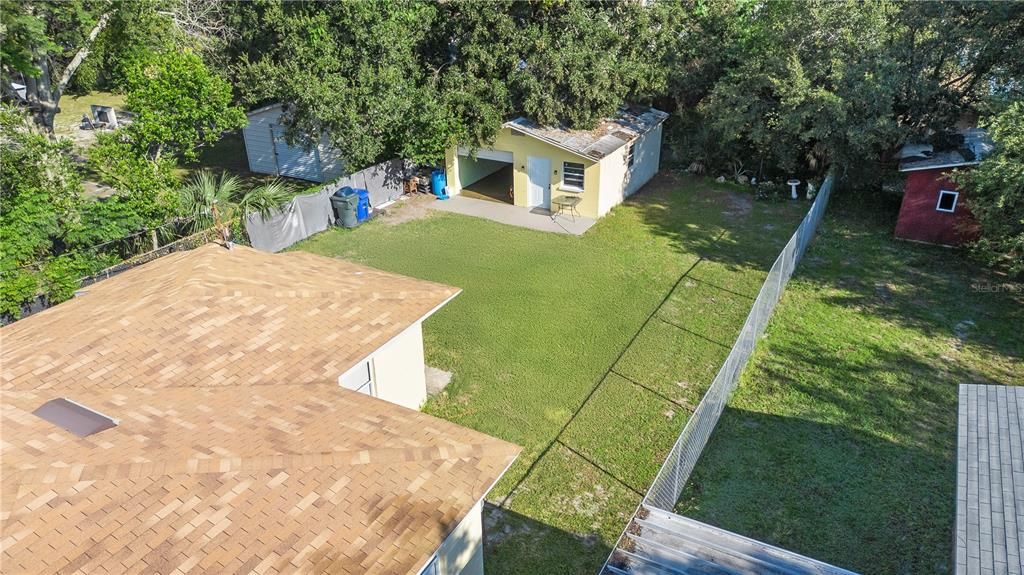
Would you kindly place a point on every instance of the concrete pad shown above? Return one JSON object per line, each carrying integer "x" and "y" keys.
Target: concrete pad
{"x": 437, "y": 379}
{"x": 532, "y": 218}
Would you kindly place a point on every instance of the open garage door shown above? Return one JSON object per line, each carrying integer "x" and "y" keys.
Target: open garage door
{"x": 488, "y": 154}
{"x": 487, "y": 176}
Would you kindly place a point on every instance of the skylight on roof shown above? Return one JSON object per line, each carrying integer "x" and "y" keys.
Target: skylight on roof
{"x": 74, "y": 417}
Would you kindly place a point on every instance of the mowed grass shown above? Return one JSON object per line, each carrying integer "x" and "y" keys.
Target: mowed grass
{"x": 74, "y": 106}
{"x": 560, "y": 344}
{"x": 840, "y": 440}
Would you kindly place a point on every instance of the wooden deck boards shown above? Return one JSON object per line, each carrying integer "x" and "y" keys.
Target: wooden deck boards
{"x": 990, "y": 481}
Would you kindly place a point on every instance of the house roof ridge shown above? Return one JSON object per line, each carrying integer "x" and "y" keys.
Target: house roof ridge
{"x": 60, "y": 473}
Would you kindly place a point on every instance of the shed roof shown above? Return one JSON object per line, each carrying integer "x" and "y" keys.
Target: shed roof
{"x": 235, "y": 449}
{"x": 611, "y": 134}
{"x": 990, "y": 480}
{"x": 916, "y": 156}
{"x": 266, "y": 108}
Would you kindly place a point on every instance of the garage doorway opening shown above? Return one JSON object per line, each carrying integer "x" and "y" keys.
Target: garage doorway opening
{"x": 488, "y": 176}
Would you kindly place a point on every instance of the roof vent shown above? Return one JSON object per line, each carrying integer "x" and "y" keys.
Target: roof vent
{"x": 74, "y": 417}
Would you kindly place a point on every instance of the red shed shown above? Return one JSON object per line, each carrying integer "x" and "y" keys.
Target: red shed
{"x": 934, "y": 209}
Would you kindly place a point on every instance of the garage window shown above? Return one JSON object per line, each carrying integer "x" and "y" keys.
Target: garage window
{"x": 572, "y": 176}
{"x": 359, "y": 378}
{"x": 947, "y": 201}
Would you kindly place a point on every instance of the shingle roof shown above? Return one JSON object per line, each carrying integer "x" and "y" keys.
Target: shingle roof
{"x": 613, "y": 133}
{"x": 945, "y": 159}
{"x": 190, "y": 317}
{"x": 217, "y": 468}
{"x": 917, "y": 156}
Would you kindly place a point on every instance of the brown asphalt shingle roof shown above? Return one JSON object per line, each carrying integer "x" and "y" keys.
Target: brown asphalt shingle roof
{"x": 229, "y": 461}
{"x": 189, "y": 319}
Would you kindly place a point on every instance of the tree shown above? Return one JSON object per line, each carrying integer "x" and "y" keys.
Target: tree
{"x": 44, "y": 44}
{"x": 147, "y": 189}
{"x": 350, "y": 71}
{"x": 954, "y": 56}
{"x": 384, "y": 78}
{"x": 799, "y": 86}
{"x": 40, "y": 203}
{"x": 136, "y": 29}
{"x": 814, "y": 85}
{"x": 995, "y": 193}
{"x": 178, "y": 105}
{"x": 222, "y": 203}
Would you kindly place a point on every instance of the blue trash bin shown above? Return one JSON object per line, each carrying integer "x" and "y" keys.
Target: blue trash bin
{"x": 438, "y": 184}
{"x": 363, "y": 207}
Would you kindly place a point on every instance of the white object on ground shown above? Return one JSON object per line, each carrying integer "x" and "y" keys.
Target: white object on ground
{"x": 792, "y": 186}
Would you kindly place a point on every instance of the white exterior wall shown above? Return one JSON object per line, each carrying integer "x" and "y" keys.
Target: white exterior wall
{"x": 331, "y": 165}
{"x": 614, "y": 173}
{"x": 259, "y": 145}
{"x": 462, "y": 552}
{"x": 398, "y": 369}
{"x": 619, "y": 181}
{"x": 646, "y": 160}
{"x": 259, "y": 148}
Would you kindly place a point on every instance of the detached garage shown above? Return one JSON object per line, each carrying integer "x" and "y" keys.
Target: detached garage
{"x": 538, "y": 167}
{"x": 269, "y": 152}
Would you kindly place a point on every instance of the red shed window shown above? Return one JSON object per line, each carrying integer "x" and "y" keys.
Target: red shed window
{"x": 947, "y": 201}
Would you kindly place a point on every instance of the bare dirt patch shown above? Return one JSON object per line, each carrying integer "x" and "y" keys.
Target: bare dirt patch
{"x": 740, "y": 205}
{"x": 407, "y": 208}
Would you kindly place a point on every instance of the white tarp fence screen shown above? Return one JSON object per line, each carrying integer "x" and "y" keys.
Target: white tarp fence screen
{"x": 312, "y": 213}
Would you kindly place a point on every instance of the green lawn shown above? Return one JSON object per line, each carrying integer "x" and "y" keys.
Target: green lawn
{"x": 840, "y": 440}
{"x": 66, "y": 123}
{"x": 552, "y": 349}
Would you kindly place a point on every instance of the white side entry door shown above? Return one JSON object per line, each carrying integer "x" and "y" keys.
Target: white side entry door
{"x": 538, "y": 171}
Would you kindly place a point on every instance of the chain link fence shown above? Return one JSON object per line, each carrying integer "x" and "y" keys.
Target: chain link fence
{"x": 675, "y": 472}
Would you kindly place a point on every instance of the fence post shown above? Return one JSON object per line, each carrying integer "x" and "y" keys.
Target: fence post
{"x": 677, "y": 491}
{"x": 782, "y": 274}
{"x": 156, "y": 242}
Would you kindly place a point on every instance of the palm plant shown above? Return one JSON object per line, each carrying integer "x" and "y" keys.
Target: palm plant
{"x": 220, "y": 202}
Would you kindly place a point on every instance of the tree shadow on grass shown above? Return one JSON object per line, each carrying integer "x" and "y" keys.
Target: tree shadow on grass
{"x": 935, "y": 291}
{"x": 839, "y": 442}
{"x": 717, "y": 223}
{"x": 517, "y": 544}
{"x": 899, "y": 392}
{"x": 831, "y": 492}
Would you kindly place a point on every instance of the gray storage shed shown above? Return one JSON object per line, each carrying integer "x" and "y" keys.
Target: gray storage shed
{"x": 270, "y": 153}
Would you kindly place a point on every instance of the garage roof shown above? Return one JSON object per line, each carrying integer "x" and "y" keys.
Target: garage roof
{"x": 629, "y": 123}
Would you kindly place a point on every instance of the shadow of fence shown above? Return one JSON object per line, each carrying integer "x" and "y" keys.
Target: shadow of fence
{"x": 668, "y": 484}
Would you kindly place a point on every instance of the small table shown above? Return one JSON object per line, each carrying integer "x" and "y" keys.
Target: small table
{"x": 567, "y": 203}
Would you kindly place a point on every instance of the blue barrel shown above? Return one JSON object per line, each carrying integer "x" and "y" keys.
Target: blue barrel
{"x": 438, "y": 183}
{"x": 363, "y": 207}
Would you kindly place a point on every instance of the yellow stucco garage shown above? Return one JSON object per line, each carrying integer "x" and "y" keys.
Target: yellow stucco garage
{"x": 530, "y": 165}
